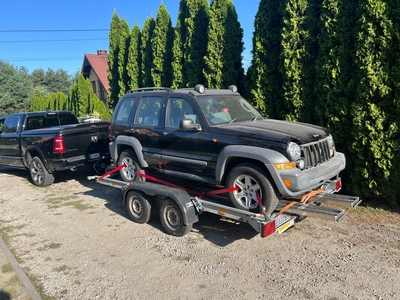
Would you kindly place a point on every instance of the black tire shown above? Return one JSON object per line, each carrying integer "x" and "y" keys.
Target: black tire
{"x": 172, "y": 220}
{"x": 139, "y": 208}
{"x": 39, "y": 174}
{"x": 250, "y": 180}
{"x": 128, "y": 157}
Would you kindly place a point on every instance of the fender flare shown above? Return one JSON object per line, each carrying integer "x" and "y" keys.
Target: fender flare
{"x": 132, "y": 143}
{"x": 179, "y": 196}
{"x": 265, "y": 156}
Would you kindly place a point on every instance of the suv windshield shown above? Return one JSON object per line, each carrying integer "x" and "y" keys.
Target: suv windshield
{"x": 226, "y": 109}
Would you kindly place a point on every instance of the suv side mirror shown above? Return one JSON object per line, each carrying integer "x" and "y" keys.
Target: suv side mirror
{"x": 187, "y": 124}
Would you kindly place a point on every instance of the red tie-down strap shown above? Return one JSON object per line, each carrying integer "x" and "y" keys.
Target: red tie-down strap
{"x": 196, "y": 193}
{"x": 111, "y": 172}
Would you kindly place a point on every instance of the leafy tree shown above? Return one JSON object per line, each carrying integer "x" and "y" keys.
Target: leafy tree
{"x": 134, "y": 59}
{"x": 161, "y": 43}
{"x": 15, "y": 86}
{"x": 55, "y": 81}
{"x": 37, "y": 77}
{"x": 190, "y": 43}
{"x": 223, "y": 62}
{"x": 146, "y": 51}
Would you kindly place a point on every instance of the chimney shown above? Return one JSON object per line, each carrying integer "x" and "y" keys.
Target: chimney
{"x": 101, "y": 52}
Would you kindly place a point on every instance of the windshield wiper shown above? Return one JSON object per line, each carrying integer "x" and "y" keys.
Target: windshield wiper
{"x": 234, "y": 119}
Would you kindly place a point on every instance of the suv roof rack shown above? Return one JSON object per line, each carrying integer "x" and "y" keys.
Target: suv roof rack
{"x": 149, "y": 89}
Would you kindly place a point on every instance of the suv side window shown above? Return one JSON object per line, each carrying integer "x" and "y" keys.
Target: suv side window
{"x": 149, "y": 111}
{"x": 124, "y": 110}
{"x": 11, "y": 125}
{"x": 178, "y": 109}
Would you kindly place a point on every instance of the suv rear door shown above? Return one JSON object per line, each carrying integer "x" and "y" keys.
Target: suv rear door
{"x": 146, "y": 129}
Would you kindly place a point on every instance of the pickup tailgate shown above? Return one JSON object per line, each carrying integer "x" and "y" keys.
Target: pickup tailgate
{"x": 85, "y": 139}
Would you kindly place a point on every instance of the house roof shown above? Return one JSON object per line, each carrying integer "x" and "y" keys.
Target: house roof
{"x": 99, "y": 64}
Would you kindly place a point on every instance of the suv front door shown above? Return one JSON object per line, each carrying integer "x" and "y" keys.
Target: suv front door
{"x": 185, "y": 150}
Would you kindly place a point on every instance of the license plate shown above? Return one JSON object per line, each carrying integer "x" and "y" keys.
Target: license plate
{"x": 94, "y": 155}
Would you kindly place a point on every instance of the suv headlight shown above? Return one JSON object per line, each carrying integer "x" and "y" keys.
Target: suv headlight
{"x": 294, "y": 151}
{"x": 331, "y": 145}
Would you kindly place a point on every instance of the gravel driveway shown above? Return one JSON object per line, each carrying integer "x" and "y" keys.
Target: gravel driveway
{"x": 75, "y": 241}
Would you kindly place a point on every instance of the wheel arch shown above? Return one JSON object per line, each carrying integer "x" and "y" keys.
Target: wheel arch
{"x": 233, "y": 155}
{"x": 30, "y": 153}
{"x": 180, "y": 197}
{"x": 122, "y": 143}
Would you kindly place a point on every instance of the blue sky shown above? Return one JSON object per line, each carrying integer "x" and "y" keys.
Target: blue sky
{"x": 22, "y": 44}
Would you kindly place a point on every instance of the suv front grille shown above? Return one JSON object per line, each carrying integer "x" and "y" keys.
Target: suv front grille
{"x": 315, "y": 153}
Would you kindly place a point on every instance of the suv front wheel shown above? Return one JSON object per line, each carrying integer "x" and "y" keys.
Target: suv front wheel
{"x": 253, "y": 189}
{"x": 128, "y": 157}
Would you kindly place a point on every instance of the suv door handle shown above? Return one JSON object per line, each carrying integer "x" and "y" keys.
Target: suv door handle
{"x": 133, "y": 130}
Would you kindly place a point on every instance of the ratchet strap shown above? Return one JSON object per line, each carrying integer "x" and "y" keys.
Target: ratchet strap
{"x": 304, "y": 199}
{"x": 111, "y": 172}
{"x": 196, "y": 193}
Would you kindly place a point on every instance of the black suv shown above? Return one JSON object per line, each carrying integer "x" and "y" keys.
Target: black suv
{"x": 217, "y": 137}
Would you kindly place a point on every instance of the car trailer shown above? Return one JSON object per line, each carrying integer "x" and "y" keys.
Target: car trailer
{"x": 180, "y": 208}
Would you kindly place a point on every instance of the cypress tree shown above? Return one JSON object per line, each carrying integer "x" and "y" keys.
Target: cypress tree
{"x": 223, "y": 62}
{"x": 298, "y": 47}
{"x": 133, "y": 67}
{"x": 113, "y": 55}
{"x": 375, "y": 121}
{"x": 334, "y": 90}
{"x": 264, "y": 80}
{"x": 124, "y": 35}
{"x": 190, "y": 43}
{"x": 146, "y": 52}
{"x": 161, "y": 43}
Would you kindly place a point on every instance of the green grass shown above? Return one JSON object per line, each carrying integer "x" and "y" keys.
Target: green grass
{"x": 49, "y": 247}
{"x": 7, "y": 268}
{"x": 53, "y": 203}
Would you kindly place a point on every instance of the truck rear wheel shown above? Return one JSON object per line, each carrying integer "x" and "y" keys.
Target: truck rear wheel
{"x": 139, "y": 208}
{"x": 172, "y": 220}
{"x": 253, "y": 187}
{"x": 128, "y": 157}
{"x": 39, "y": 174}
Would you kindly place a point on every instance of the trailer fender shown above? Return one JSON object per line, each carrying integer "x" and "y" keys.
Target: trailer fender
{"x": 181, "y": 198}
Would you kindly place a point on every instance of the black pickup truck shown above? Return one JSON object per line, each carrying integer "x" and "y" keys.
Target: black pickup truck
{"x": 51, "y": 141}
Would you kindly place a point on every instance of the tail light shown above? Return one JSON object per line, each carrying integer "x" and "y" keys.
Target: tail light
{"x": 110, "y": 134}
{"x": 338, "y": 185}
{"x": 268, "y": 228}
{"x": 59, "y": 145}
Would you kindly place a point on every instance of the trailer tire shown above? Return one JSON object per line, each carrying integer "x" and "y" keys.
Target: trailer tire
{"x": 171, "y": 218}
{"x": 128, "y": 174}
{"x": 39, "y": 174}
{"x": 139, "y": 208}
{"x": 251, "y": 180}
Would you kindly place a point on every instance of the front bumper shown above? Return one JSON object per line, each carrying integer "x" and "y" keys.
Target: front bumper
{"x": 304, "y": 181}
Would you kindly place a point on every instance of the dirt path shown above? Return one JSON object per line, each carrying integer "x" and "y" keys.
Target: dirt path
{"x": 75, "y": 241}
